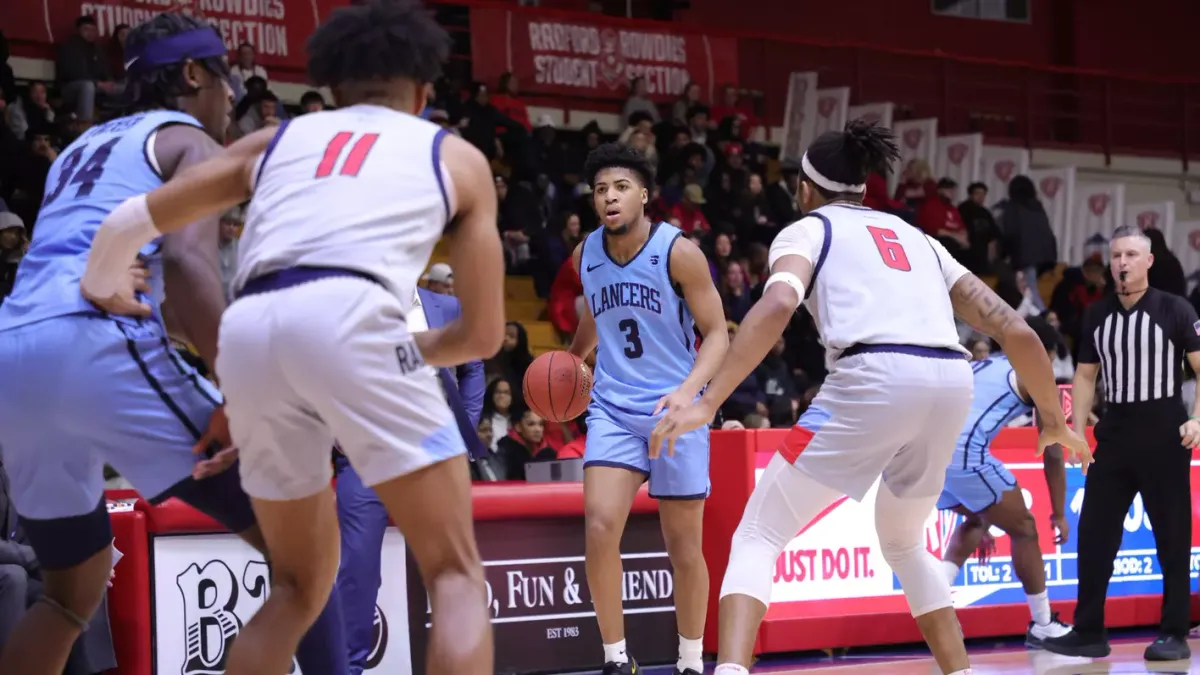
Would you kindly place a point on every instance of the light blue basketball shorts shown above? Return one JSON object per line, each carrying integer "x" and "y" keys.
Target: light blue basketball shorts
{"x": 620, "y": 438}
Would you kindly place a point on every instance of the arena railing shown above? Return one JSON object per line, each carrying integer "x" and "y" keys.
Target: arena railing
{"x": 1013, "y": 103}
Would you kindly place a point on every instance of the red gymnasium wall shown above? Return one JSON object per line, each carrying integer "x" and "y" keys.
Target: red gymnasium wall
{"x": 1148, "y": 37}
{"x": 903, "y": 24}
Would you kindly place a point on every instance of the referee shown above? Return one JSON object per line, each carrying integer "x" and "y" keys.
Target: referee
{"x": 1136, "y": 340}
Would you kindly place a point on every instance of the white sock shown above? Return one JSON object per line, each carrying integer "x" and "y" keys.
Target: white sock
{"x": 962, "y": 672}
{"x": 691, "y": 655}
{"x": 615, "y": 653}
{"x": 735, "y": 669}
{"x": 951, "y": 570}
{"x": 1039, "y": 607}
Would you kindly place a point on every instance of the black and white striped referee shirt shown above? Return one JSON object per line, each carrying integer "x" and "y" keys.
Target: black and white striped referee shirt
{"x": 1140, "y": 350}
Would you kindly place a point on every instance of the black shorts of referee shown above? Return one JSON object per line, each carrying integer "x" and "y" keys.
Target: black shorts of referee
{"x": 1136, "y": 343}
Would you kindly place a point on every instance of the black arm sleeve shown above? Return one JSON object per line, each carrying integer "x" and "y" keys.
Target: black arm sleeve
{"x": 1187, "y": 324}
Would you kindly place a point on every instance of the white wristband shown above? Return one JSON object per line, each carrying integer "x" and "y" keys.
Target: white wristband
{"x": 789, "y": 279}
{"x": 116, "y": 245}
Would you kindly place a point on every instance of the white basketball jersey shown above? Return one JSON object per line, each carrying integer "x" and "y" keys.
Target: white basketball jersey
{"x": 876, "y": 279}
{"x": 361, "y": 188}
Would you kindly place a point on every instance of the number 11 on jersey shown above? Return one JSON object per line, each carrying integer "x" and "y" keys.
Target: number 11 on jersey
{"x": 354, "y": 161}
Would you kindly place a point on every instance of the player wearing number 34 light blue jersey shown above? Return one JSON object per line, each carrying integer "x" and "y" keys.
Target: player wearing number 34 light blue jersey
{"x": 980, "y": 488}
{"x": 87, "y": 388}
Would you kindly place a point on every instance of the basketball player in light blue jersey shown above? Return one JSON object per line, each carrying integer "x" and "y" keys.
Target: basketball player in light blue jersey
{"x": 87, "y": 388}
{"x": 979, "y": 487}
{"x": 658, "y": 325}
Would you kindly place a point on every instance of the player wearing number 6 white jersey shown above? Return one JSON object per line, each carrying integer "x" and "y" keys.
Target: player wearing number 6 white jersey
{"x": 347, "y": 206}
{"x": 884, "y": 297}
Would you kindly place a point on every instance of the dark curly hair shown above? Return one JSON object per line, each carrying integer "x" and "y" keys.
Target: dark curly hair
{"x": 849, "y": 156}
{"x": 161, "y": 87}
{"x": 1045, "y": 332}
{"x": 377, "y": 40}
{"x": 616, "y": 155}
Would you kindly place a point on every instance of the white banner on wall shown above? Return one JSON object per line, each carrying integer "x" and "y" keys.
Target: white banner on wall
{"x": 1000, "y": 164}
{"x": 918, "y": 142}
{"x": 206, "y": 587}
{"x": 881, "y": 113}
{"x": 800, "y": 116}
{"x": 1099, "y": 209}
{"x": 1056, "y": 190}
{"x": 1157, "y": 215}
{"x": 1185, "y": 244}
{"x": 958, "y": 157}
{"x": 833, "y": 105}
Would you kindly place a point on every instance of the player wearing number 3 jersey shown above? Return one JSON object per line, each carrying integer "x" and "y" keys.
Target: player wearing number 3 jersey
{"x": 883, "y": 296}
{"x": 656, "y": 321}
{"x": 346, "y": 208}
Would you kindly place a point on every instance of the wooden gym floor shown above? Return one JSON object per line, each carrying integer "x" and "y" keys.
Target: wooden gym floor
{"x": 1126, "y": 659}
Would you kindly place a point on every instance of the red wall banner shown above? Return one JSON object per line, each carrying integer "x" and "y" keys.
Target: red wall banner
{"x": 595, "y": 56}
{"x": 278, "y": 29}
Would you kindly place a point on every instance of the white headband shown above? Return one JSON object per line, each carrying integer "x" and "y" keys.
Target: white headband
{"x": 823, "y": 182}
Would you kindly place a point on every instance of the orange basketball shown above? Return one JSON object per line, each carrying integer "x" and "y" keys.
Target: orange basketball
{"x": 558, "y": 386}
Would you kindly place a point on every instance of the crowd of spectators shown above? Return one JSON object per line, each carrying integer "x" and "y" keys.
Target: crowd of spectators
{"x": 727, "y": 193}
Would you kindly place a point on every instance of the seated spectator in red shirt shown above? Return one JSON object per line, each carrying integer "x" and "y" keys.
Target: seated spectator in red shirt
{"x": 574, "y": 449}
{"x": 731, "y": 105}
{"x": 877, "y": 196}
{"x": 561, "y": 305}
{"x": 939, "y": 217}
{"x": 558, "y": 434}
{"x": 915, "y": 183}
{"x": 505, "y": 100}
{"x": 526, "y": 442}
{"x": 688, "y": 212}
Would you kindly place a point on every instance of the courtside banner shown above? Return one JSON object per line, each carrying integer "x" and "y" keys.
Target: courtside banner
{"x": 207, "y": 586}
{"x": 834, "y": 566}
{"x": 538, "y": 598}
{"x": 595, "y": 56}
{"x": 278, "y": 29}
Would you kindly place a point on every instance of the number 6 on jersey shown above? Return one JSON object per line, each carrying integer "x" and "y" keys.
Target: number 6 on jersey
{"x": 890, "y": 248}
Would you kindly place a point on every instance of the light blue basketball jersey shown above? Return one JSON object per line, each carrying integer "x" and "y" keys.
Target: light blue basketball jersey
{"x": 648, "y": 339}
{"x": 996, "y": 404}
{"x": 91, "y": 177}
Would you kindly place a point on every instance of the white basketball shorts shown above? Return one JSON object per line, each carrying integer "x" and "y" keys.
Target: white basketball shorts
{"x": 325, "y": 360}
{"x": 892, "y": 414}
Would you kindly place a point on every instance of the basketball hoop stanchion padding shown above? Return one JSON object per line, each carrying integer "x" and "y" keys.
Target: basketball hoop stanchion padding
{"x": 129, "y": 597}
{"x": 731, "y": 472}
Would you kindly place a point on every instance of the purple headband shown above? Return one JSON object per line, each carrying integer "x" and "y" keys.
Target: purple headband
{"x": 196, "y": 44}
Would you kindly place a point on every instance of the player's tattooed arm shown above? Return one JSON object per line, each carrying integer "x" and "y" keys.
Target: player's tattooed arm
{"x": 977, "y": 304}
{"x": 585, "y": 339}
{"x": 689, "y": 269}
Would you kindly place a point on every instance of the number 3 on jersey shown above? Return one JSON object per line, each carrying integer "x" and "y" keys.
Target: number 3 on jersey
{"x": 633, "y": 339}
{"x": 890, "y": 248}
{"x": 354, "y": 160}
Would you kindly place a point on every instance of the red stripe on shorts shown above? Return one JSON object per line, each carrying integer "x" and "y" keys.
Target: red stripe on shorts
{"x": 795, "y": 443}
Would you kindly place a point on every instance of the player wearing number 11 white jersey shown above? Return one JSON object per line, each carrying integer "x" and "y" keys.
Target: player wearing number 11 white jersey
{"x": 884, "y": 296}
{"x": 346, "y": 208}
